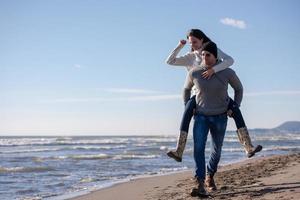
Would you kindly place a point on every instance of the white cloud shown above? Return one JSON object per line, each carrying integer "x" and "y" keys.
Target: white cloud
{"x": 77, "y": 66}
{"x": 234, "y": 22}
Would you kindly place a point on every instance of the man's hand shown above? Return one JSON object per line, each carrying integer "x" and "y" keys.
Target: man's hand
{"x": 208, "y": 73}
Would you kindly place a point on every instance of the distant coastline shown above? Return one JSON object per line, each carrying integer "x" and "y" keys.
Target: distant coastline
{"x": 288, "y": 126}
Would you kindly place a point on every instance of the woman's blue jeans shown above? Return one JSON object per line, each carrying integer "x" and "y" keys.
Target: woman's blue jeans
{"x": 236, "y": 114}
{"x": 188, "y": 114}
{"x": 216, "y": 124}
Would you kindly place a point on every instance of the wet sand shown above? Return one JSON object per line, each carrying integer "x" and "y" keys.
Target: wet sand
{"x": 274, "y": 177}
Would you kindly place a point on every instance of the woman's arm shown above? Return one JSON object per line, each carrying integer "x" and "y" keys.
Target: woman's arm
{"x": 226, "y": 61}
{"x": 185, "y": 60}
{"x": 187, "y": 88}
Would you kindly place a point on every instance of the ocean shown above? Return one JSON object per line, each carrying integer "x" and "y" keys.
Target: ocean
{"x": 54, "y": 168}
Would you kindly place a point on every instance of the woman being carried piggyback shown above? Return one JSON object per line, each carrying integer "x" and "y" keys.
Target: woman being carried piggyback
{"x": 193, "y": 59}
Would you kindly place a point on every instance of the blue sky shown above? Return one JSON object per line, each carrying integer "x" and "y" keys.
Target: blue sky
{"x": 97, "y": 67}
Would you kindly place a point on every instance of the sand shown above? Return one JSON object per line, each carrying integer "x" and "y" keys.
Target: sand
{"x": 274, "y": 177}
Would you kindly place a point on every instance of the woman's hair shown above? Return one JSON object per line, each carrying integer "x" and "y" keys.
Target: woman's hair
{"x": 198, "y": 34}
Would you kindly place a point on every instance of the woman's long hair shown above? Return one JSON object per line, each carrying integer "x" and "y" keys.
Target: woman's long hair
{"x": 198, "y": 34}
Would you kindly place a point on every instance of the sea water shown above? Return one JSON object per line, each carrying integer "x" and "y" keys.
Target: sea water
{"x": 48, "y": 167}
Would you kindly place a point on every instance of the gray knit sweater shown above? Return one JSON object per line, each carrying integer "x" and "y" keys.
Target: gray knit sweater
{"x": 212, "y": 97}
{"x": 193, "y": 59}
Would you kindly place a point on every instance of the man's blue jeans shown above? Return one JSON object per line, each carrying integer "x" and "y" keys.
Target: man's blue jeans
{"x": 216, "y": 124}
{"x": 191, "y": 105}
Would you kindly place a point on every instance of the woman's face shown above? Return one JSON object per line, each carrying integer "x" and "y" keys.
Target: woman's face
{"x": 195, "y": 42}
{"x": 208, "y": 58}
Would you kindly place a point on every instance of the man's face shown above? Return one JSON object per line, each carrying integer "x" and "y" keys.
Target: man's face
{"x": 208, "y": 59}
{"x": 195, "y": 42}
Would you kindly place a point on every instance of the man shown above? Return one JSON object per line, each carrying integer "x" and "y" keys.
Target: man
{"x": 212, "y": 102}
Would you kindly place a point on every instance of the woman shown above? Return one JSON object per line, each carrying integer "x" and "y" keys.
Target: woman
{"x": 193, "y": 59}
{"x": 211, "y": 114}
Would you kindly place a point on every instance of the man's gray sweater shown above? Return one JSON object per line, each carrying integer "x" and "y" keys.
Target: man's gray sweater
{"x": 212, "y": 97}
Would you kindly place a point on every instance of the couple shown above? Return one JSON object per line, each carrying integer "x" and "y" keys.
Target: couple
{"x": 208, "y": 78}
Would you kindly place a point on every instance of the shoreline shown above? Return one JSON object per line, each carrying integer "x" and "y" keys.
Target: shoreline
{"x": 76, "y": 194}
{"x": 247, "y": 179}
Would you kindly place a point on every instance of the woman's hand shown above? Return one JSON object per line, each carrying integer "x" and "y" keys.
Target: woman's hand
{"x": 182, "y": 42}
{"x": 208, "y": 73}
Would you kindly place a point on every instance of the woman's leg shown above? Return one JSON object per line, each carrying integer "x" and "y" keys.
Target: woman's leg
{"x": 184, "y": 128}
{"x": 242, "y": 130}
{"x": 236, "y": 114}
{"x": 188, "y": 114}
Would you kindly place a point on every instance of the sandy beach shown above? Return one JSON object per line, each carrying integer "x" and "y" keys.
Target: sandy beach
{"x": 273, "y": 177}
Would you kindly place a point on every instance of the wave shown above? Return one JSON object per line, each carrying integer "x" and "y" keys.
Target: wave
{"x": 29, "y": 150}
{"x": 25, "y": 141}
{"x": 27, "y": 191}
{"x": 58, "y": 141}
{"x": 231, "y": 139}
{"x": 163, "y": 148}
{"x": 225, "y": 149}
{"x": 88, "y": 180}
{"x": 143, "y": 140}
{"x": 89, "y": 148}
{"x": 241, "y": 149}
{"x": 96, "y": 148}
{"x": 277, "y": 138}
{"x": 282, "y": 148}
{"x": 266, "y": 138}
{"x": 90, "y": 157}
{"x": 100, "y": 157}
{"x": 132, "y": 156}
{"x": 25, "y": 169}
{"x": 172, "y": 169}
{"x": 268, "y": 148}
{"x": 138, "y": 141}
